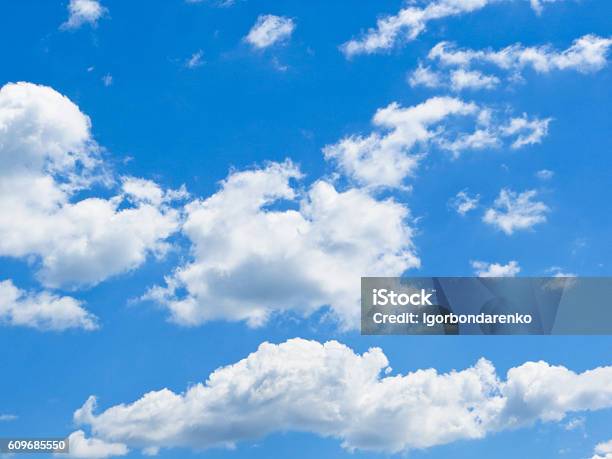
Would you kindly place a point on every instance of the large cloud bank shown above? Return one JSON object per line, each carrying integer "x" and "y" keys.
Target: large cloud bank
{"x": 329, "y": 390}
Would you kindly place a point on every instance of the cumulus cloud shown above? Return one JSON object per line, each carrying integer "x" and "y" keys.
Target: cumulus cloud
{"x": 42, "y": 310}
{"x": 389, "y": 155}
{"x": 82, "y": 447}
{"x": 47, "y": 155}
{"x": 260, "y": 247}
{"x": 514, "y": 211}
{"x": 411, "y": 21}
{"x": 329, "y": 390}
{"x": 484, "y": 269}
{"x": 463, "y": 203}
{"x": 386, "y": 158}
{"x": 587, "y": 54}
{"x": 83, "y": 12}
{"x": 603, "y": 450}
{"x": 270, "y": 29}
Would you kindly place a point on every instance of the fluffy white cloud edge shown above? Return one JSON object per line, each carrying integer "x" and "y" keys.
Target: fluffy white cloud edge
{"x": 603, "y": 450}
{"x": 329, "y": 390}
{"x": 42, "y": 310}
{"x": 264, "y": 245}
{"x": 47, "y": 155}
{"x": 81, "y": 447}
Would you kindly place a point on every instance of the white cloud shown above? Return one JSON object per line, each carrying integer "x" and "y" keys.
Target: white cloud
{"x": 7, "y": 417}
{"x": 424, "y": 76}
{"x": 586, "y": 54}
{"x": 514, "y": 211}
{"x": 270, "y": 29}
{"x": 92, "y": 448}
{"x": 454, "y": 65}
{"x": 484, "y": 269}
{"x": 410, "y": 22}
{"x": 83, "y": 12}
{"x": 457, "y": 80}
{"x": 472, "y": 79}
{"x": 329, "y": 390}
{"x": 528, "y": 132}
{"x": 480, "y": 139}
{"x": 252, "y": 258}
{"x": 603, "y": 450}
{"x": 575, "y": 423}
{"x": 196, "y": 60}
{"x": 43, "y": 310}
{"x": 107, "y": 80}
{"x": 463, "y": 203}
{"x": 139, "y": 190}
{"x": 47, "y": 154}
{"x": 545, "y": 174}
{"x": 386, "y": 157}
{"x": 557, "y": 271}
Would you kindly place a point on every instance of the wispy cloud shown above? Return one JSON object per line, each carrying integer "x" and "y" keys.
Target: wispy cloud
{"x": 83, "y": 12}
{"x": 463, "y": 203}
{"x": 411, "y": 21}
{"x": 196, "y": 60}
{"x": 269, "y": 30}
{"x": 514, "y": 211}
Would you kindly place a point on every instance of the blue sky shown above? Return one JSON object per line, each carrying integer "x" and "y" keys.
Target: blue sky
{"x": 244, "y": 106}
